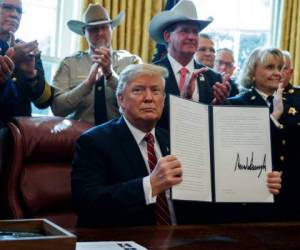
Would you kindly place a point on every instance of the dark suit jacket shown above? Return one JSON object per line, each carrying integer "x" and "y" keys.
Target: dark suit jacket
{"x": 234, "y": 90}
{"x": 17, "y": 93}
{"x": 171, "y": 87}
{"x": 107, "y": 174}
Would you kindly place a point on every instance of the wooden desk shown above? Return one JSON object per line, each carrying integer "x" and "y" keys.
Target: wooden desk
{"x": 223, "y": 236}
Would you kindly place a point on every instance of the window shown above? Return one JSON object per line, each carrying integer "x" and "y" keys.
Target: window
{"x": 45, "y": 21}
{"x": 241, "y": 25}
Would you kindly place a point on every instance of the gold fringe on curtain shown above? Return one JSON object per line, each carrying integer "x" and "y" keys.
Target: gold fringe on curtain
{"x": 290, "y": 34}
{"x": 132, "y": 35}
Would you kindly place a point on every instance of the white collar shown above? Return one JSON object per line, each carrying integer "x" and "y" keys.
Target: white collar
{"x": 137, "y": 133}
{"x": 262, "y": 94}
{"x": 176, "y": 66}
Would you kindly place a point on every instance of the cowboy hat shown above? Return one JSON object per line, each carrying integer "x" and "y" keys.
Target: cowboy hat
{"x": 184, "y": 11}
{"x": 95, "y": 14}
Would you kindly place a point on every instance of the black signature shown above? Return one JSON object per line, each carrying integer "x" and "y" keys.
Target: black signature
{"x": 249, "y": 165}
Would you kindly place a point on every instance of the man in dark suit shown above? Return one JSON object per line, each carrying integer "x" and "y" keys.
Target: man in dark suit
{"x": 224, "y": 64}
{"x": 26, "y": 83}
{"x": 115, "y": 180}
{"x": 178, "y": 29}
{"x": 111, "y": 184}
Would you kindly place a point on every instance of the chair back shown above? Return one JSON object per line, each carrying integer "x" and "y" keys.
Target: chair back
{"x": 37, "y": 178}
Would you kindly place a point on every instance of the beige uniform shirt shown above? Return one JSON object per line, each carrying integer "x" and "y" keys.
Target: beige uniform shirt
{"x": 73, "y": 99}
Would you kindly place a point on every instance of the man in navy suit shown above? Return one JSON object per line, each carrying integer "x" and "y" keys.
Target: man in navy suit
{"x": 112, "y": 181}
{"x": 25, "y": 82}
{"x": 178, "y": 29}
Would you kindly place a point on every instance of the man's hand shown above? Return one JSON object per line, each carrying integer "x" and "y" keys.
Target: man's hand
{"x": 221, "y": 90}
{"x": 274, "y": 182}
{"x": 190, "y": 87}
{"x": 277, "y": 102}
{"x": 24, "y": 56}
{"x": 167, "y": 173}
{"x": 95, "y": 73}
{"x": 23, "y": 51}
{"x": 102, "y": 56}
{"x": 28, "y": 67}
{"x": 7, "y": 66}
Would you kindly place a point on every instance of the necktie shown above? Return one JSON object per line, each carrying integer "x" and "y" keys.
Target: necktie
{"x": 100, "y": 103}
{"x": 182, "y": 79}
{"x": 162, "y": 213}
{"x": 270, "y": 99}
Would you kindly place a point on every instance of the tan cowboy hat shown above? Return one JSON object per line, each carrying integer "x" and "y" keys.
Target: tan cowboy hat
{"x": 95, "y": 14}
{"x": 183, "y": 11}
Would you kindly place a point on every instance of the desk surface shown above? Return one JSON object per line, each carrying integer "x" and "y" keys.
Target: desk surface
{"x": 223, "y": 236}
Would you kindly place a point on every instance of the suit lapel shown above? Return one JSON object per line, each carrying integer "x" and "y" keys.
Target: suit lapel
{"x": 163, "y": 141}
{"x": 131, "y": 149}
{"x": 204, "y": 89}
{"x": 255, "y": 99}
{"x": 171, "y": 83}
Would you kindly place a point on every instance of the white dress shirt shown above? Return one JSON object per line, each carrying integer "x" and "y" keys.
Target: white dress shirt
{"x": 265, "y": 96}
{"x": 176, "y": 67}
{"x": 139, "y": 138}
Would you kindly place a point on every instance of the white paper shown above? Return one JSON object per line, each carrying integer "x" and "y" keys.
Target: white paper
{"x": 190, "y": 143}
{"x": 241, "y": 148}
{"x": 242, "y": 154}
{"x": 109, "y": 245}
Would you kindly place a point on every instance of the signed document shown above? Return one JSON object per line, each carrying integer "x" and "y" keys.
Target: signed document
{"x": 225, "y": 151}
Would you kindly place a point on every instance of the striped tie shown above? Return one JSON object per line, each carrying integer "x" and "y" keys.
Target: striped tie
{"x": 162, "y": 213}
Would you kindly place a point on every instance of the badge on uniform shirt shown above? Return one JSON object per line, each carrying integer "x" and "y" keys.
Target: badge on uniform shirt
{"x": 201, "y": 78}
{"x": 292, "y": 111}
{"x": 291, "y": 91}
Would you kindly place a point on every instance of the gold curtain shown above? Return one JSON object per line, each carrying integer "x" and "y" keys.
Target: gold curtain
{"x": 132, "y": 35}
{"x": 290, "y": 34}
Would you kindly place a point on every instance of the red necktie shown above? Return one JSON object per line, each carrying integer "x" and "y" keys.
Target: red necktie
{"x": 162, "y": 213}
{"x": 183, "y": 72}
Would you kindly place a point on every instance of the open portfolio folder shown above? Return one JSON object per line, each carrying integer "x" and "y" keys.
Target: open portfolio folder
{"x": 225, "y": 151}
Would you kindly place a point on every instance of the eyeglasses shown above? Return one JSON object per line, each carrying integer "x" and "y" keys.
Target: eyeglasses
{"x": 227, "y": 64}
{"x": 204, "y": 49}
{"x": 10, "y": 8}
